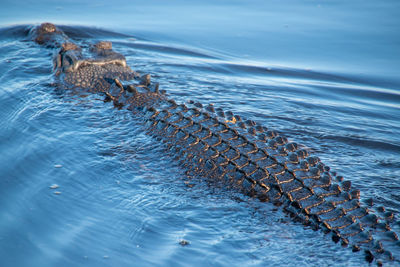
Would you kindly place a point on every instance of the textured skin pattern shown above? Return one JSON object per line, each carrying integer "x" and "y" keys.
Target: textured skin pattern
{"x": 243, "y": 155}
{"x": 94, "y": 73}
{"x": 261, "y": 163}
{"x": 94, "y": 78}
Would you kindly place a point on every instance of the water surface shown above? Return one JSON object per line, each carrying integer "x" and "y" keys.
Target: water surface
{"x": 325, "y": 75}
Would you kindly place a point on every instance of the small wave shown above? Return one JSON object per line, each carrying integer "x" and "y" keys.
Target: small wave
{"x": 75, "y": 32}
{"x": 86, "y": 32}
{"x": 165, "y": 49}
{"x": 364, "y": 142}
{"x": 15, "y": 31}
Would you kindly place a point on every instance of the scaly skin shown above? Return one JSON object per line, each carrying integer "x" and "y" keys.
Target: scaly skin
{"x": 221, "y": 146}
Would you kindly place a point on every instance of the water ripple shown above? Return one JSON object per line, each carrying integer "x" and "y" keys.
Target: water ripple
{"x": 118, "y": 197}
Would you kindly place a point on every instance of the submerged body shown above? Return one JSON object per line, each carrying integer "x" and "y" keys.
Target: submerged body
{"x": 221, "y": 146}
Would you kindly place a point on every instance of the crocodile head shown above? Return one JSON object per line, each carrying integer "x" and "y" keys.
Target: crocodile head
{"x": 49, "y": 35}
{"x": 91, "y": 73}
{"x": 99, "y": 69}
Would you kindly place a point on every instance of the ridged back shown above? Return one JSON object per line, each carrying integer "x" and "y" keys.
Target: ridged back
{"x": 261, "y": 163}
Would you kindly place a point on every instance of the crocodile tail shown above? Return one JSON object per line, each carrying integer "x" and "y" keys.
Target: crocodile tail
{"x": 261, "y": 163}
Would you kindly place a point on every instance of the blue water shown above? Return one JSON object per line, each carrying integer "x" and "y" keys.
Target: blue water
{"x": 324, "y": 74}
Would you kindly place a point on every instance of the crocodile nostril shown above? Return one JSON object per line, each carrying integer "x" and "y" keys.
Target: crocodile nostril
{"x": 48, "y": 27}
{"x": 69, "y": 46}
{"x": 106, "y": 45}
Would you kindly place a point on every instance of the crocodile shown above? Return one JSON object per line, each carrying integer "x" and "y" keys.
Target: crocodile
{"x": 221, "y": 146}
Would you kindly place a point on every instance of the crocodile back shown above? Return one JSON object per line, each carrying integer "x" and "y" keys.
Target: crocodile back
{"x": 261, "y": 163}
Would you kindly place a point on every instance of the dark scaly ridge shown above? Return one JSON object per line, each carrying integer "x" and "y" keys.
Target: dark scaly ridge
{"x": 258, "y": 165}
{"x": 222, "y": 146}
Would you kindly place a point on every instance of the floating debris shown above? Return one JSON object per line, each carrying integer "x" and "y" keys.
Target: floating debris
{"x": 54, "y": 186}
{"x": 57, "y": 193}
{"x": 188, "y": 184}
{"x": 57, "y": 166}
{"x": 183, "y": 243}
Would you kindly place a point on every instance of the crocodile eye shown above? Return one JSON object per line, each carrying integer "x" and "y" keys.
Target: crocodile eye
{"x": 67, "y": 61}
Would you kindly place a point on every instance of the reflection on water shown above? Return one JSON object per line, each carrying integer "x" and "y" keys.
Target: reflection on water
{"x": 118, "y": 197}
